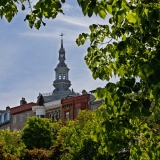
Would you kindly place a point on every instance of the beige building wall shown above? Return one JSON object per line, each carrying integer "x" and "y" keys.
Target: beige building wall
{"x": 18, "y": 120}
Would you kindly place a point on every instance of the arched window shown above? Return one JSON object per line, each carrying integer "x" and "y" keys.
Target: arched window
{"x": 50, "y": 115}
{"x": 55, "y": 116}
{"x": 58, "y": 115}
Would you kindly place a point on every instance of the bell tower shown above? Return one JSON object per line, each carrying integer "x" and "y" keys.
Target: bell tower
{"x": 61, "y": 82}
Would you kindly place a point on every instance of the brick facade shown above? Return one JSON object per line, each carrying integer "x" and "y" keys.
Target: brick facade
{"x": 72, "y": 105}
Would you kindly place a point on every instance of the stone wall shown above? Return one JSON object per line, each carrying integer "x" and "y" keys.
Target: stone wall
{"x": 18, "y": 120}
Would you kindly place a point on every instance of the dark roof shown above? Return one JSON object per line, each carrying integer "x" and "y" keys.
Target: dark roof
{"x": 61, "y": 64}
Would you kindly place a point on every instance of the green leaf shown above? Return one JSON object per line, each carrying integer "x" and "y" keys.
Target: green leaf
{"x": 90, "y": 12}
{"x": 102, "y": 14}
{"x": 109, "y": 9}
{"x": 131, "y": 17}
{"x": 8, "y": 17}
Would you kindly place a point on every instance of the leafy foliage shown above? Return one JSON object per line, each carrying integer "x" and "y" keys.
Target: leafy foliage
{"x": 77, "y": 137}
{"x": 58, "y": 150}
{"x": 128, "y": 47}
{"x": 55, "y": 152}
{"x": 38, "y": 133}
{"x": 11, "y": 144}
{"x": 42, "y": 9}
{"x": 35, "y": 154}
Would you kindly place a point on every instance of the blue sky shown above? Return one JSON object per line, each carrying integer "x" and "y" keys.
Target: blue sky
{"x": 29, "y": 56}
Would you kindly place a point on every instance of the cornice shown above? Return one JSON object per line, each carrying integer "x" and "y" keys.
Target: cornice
{"x": 53, "y": 104}
{"x": 34, "y": 108}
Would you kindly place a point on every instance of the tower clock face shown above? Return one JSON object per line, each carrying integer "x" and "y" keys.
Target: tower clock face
{"x": 61, "y": 55}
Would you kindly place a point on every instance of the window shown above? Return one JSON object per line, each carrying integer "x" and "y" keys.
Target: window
{"x": 60, "y": 76}
{"x": 55, "y": 116}
{"x": 64, "y": 76}
{"x": 8, "y": 116}
{"x": 5, "y": 117}
{"x": 21, "y": 117}
{"x": 50, "y": 115}
{"x": 41, "y": 116}
{"x": 14, "y": 119}
{"x": 67, "y": 115}
{"x": 28, "y": 114}
{"x": 77, "y": 111}
{"x": 58, "y": 115}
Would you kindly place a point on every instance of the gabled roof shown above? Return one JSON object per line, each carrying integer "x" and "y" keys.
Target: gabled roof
{"x": 22, "y": 108}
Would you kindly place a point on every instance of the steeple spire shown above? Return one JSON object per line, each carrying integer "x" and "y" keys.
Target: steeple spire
{"x": 62, "y": 50}
{"x": 61, "y": 39}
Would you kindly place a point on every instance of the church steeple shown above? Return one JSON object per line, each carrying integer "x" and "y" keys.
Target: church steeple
{"x": 62, "y": 51}
{"x": 62, "y": 82}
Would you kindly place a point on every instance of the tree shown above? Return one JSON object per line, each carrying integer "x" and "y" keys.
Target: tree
{"x": 128, "y": 47}
{"x": 57, "y": 151}
{"x": 38, "y": 133}
{"x": 2, "y": 152}
{"x": 4, "y": 155}
{"x": 11, "y": 144}
{"x": 36, "y": 154}
{"x": 77, "y": 137}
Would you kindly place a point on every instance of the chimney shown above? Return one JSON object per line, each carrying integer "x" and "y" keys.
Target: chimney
{"x": 7, "y": 108}
{"x": 84, "y": 92}
{"x": 23, "y": 101}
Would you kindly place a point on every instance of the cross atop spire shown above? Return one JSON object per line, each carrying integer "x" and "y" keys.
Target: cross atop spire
{"x": 61, "y": 39}
{"x": 61, "y": 35}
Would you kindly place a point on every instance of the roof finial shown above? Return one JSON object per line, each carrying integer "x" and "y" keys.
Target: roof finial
{"x": 61, "y": 39}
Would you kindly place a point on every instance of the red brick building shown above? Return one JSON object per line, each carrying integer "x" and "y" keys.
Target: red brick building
{"x": 72, "y": 105}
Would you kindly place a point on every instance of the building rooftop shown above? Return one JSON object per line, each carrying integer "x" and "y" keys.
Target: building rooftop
{"x": 22, "y": 108}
